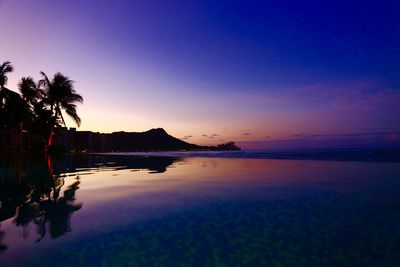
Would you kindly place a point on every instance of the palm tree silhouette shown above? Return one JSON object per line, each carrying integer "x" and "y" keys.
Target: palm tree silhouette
{"x": 56, "y": 211}
{"x": 42, "y": 199}
{"x": 5, "y": 69}
{"x": 5, "y": 93}
{"x": 39, "y": 107}
{"x": 13, "y": 111}
{"x": 3, "y": 247}
{"x": 25, "y": 213}
{"x": 60, "y": 95}
{"x": 30, "y": 92}
{"x": 30, "y": 95}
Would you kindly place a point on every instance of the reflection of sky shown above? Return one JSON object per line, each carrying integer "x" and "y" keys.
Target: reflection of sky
{"x": 238, "y": 70}
{"x": 121, "y": 200}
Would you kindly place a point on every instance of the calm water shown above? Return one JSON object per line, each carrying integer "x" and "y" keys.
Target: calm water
{"x": 198, "y": 211}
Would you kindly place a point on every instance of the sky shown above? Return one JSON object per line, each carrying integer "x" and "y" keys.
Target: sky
{"x": 266, "y": 74}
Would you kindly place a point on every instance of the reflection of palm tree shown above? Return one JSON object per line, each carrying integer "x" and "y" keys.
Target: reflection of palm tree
{"x": 25, "y": 214}
{"x": 57, "y": 212}
{"x": 2, "y": 246}
{"x": 39, "y": 199}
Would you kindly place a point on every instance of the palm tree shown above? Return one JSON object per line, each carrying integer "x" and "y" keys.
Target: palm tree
{"x": 30, "y": 92}
{"x": 60, "y": 95}
{"x": 12, "y": 111}
{"x": 31, "y": 95}
{"x": 3, "y": 247}
{"x": 5, "y": 69}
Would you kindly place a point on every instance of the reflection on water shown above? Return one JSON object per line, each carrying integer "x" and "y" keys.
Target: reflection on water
{"x": 162, "y": 211}
{"x": 34, "y": 191}
{"x": 33, "y": 196}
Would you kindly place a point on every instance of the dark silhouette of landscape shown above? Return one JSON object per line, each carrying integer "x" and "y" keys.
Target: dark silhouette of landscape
{"x": 32, "y": 191}
{"x": 33, "y": 121}
{"x": 152, "y": 140}
{"x": 28, "y": 120}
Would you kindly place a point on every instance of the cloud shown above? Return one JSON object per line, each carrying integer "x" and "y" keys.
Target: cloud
{"x": 187, "y": 137}
{"x": 298, "y": 135}
{"x": 355, "y": 135}
{"x": 362, "y": 140}
{"x": 286, "y": 97}
{"x": 349, "y": 96}
{"x": 211, "y": 136}
{"x": 246, "y": 134}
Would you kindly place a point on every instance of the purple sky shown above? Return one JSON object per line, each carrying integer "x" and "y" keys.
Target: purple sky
{"x": 257, "y": 72}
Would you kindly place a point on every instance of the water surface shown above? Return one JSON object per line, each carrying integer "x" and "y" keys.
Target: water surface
{"x": 98, "y": 210}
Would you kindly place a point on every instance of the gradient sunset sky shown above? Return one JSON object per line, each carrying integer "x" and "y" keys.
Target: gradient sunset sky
{"x": 256, "y": 72}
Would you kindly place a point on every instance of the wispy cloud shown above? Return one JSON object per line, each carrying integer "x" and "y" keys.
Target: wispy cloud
{"x": 388, "y": 99}
{"x": 356, "y": 140}
{"x": 384, "y": 135}
{"x": 351, "y": 96}
{"x": 354, "y": 135}
{"x": 187, "y": 137}
{"x": 211, "y": 136}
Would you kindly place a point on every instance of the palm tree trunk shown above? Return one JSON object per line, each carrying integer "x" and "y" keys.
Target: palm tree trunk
{"x": 1, "y": 97}
{"x": 62, "y": 117}
{"x": 51, "y": 138}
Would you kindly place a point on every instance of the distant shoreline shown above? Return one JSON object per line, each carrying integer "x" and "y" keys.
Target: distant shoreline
{"x": 362, "y": 155}
{"x": 156, "y": 139}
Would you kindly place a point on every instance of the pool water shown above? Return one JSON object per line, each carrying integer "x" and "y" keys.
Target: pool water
{"x": 94, "y": 210}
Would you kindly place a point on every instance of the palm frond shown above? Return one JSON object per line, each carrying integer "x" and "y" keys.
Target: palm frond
{"x": 74, "y": 115}
{"x": 74, "y": 98}
{"x": 6, "y": 67}
{"x": 45, "y": 82}
{"x": 28, "y": 89}
{"x": 60, "y": 95}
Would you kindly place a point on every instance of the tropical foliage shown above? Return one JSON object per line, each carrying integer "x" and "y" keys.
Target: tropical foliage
{"x": 9, "y": 100}
{"x": 39, "y": 107}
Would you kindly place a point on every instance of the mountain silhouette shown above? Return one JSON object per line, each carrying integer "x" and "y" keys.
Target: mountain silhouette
{"x": 154, "y": 139}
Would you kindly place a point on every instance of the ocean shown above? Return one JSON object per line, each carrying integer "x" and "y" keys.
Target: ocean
{"x": 361, "y": 154}
{"x": 239, "y": 208}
